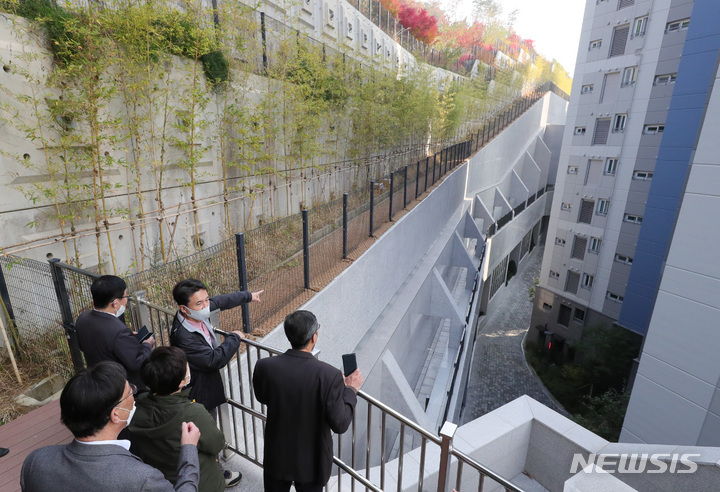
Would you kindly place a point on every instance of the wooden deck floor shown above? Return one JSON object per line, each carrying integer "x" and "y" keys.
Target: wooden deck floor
{"x": 33, "y": 430}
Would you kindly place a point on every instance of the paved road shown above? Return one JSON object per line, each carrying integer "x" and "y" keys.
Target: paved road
{"x": 499, "y": 373}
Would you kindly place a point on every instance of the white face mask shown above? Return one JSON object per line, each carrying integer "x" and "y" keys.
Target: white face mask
{"x": 120, "y": 311}
{"x": 130, "y": 414}
{"x": 201, "y": 315}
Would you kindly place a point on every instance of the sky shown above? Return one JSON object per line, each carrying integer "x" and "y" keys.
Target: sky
{"x": 554, "y": 25}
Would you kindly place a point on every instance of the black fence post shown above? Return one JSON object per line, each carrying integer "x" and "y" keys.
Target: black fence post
{"x": 477, "y": 141}
{"x": 417, "y": 179}
{"x": 306, "y": 248}
{"x": 66, "y": 312}
{"x": 242, "y": 277}
{"x": 435, "y": 163}
{"x": 405, "y": 188}
{"x": 11, "y": 314}
{"x": 427, "y": 166}
{"x": 392, "y": 192}
{"x": 345, "y": 225}
{"x": 264, "y": 43}
{"x": 372, "y": 205}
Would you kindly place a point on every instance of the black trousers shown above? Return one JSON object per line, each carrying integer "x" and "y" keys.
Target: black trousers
{"x": 275, "y": 485}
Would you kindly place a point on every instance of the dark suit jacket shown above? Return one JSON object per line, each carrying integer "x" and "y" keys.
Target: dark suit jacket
{"x": 206, "y": 360}
{"x": 79, "y": 467}
{"x": 305, "y": 399}
{"x": 102, "y": 336}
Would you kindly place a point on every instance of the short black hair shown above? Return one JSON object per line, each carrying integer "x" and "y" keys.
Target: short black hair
{"x": 89, "y": 397}
{"x": 106, "y": 289}
{"x": 300, "y": 326}
{"x": 164, "y": 370}
{"x": 184, "y": 290}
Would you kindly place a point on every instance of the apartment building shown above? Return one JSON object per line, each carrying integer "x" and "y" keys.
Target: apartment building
{"x": 636, "y": 212}
{"x": 627, "y": 68}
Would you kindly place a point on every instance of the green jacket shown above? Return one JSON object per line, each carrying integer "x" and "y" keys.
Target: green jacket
{"x": 156, "y": 428}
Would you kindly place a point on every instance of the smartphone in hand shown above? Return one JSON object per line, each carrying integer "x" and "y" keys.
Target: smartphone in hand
{"x": 143, "y": 334}
{"x": 349, "y": 364}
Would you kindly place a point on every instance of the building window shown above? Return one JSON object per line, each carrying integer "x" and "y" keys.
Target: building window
{"x": 572, "y": 281}
{"x": 619, "y": 40}
{"x": 572, "y": 169}
{"x": 602, "y": 129}
{"x": 554, "y": 274}
{"x": 559, "y": 241}
{"x": 579, "y": 130}
{"x": 640, "y": 26}
{"x": 665, "y": 79}
{"x": 564, "y": 316}
{"x": 578, "y": 249}
{"x": 614, "y": 297}
{"x": 586, "y": 89}
{"x": 635, "y": 219}
{"x": 625, "y": 3}
{"x": 619, "y": 123}
{"x": 653, "y": 129}
{"x": 603, "y": 206}
{"x": 595, "y": 44}
{"x": 547, "y": 307}
{"x": 629, "y": 75}
{"x": 643, "y": 175}
{"x": 610, "y": 166}
{"x": 594, "y": 245}
{"x": 587, "y": 281}
{"x": 579, "y": 315}
{"x": 679, "y": 25}
{"x": 586, "y": 211}
{"x": 566, "y": 206}
{"x": 623, "y": 259}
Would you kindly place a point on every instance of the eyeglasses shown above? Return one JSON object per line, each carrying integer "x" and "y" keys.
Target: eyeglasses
{"x": 133, "y": 392}
{"x": 312, "y": 333}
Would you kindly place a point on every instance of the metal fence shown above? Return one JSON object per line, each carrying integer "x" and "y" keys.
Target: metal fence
{"x": 382, "y": 451}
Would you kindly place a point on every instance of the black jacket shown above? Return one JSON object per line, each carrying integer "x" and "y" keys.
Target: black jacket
{"x": 206, "y": 361}
{"x": 102, "y": 336}
{"x": 305, "y": 399}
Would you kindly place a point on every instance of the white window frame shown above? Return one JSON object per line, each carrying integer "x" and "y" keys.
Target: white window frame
{"x": 643, "y": 175}
{"x": 623, "y": 259}
{"x": 572, "y": 170}
{"x": 665, "y": 79}
{"x": 677, "y": 26}
{"x": 629, "y": 76}
{"x": 554, "y": 274}
{"x": 632, "y": 218}
{"x": 614, "y": 297}
{"x": 619, "y": 123}
{"x": 596, "y": 44}
{"x": 566, "y": 206}
{"x": 587, "y": 89}
{"x": 560, "y": 241}
{"x": 586, "y": 281}
{"x": 653, "y": 129}
{"x": 603, "y": 206}
{"x": 611, "y": 164}
{"x": 579, "y": 130}
{"x": 640, "y": 26}
{"x": 594, "y": 244}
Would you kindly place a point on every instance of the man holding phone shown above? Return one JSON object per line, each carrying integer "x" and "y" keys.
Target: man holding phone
{"x": 305, "y": 399}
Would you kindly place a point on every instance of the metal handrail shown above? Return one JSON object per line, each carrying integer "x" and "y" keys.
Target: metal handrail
{"x": 483, "y": 470}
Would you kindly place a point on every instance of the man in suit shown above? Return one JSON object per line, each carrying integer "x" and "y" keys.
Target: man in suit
{"x": 193, "y": 333}
{"x": 96, "y": 404}
{"x": 305, "y": 399}
{"x": 103, "y": 336}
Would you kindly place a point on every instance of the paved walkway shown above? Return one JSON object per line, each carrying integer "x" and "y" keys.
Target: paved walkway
{"x": 499, "y": 373}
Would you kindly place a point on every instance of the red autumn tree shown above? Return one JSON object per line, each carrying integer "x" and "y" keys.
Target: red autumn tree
{"x": 419, "y": 22}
